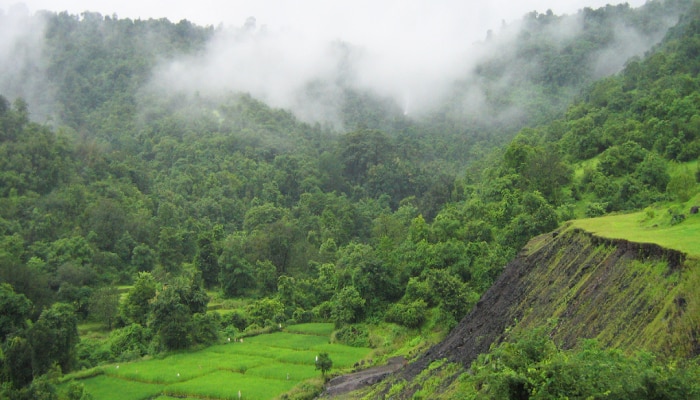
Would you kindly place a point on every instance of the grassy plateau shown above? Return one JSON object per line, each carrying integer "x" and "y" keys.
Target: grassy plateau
{"x": 653, "y": 225}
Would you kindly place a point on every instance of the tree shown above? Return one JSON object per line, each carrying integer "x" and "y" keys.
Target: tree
{"x": 362, "y": 150}
{"x": 170, "y": 319}
{"x": 346, "y": 306}
{"x": 53, "y": 338}
{"x": 172, "y": 312}
{"x": 14, "y": 311}
{"x": 129, "y": 342}
{"x": 143, "y": 258}
{"x": 137, "y": 305}
{"x": 236, "y": 276}
{"x": 653, "y": 172}
{"x": 17, "y": 362}
{"x": 104, "y": 305}
{"x": 454, "y": 297}
{"x": 682, "y": 185}
{"x": 324, "y": 363}
{"x": 207, "y": 260}
{"x": 170, "y": 250}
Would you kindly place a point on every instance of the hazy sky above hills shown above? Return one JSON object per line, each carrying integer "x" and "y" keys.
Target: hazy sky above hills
{"x": 410, "y": 50}
{"x": 347, "y": 18}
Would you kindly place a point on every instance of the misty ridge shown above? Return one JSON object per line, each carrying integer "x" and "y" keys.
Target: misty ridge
{"x": 518, "y": 73}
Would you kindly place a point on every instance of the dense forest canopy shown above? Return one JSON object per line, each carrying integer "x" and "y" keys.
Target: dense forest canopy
{"x": 108, "y": 178}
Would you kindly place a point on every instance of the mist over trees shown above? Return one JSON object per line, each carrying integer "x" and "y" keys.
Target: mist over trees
{"x": 133, "y": 169}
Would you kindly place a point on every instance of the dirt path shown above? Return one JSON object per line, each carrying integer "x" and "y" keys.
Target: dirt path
{"x": 357, "y": 380}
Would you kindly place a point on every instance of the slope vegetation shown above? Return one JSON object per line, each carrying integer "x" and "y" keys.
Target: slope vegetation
{"x": 626, "y": 295}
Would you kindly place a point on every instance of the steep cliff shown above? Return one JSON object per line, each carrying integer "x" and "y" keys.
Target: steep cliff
{"x": 626, "y": 295}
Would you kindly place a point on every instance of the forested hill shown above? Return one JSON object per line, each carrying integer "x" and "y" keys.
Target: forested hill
{"x": 114, "y": 189}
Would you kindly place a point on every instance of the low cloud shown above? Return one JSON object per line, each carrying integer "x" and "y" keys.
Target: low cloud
{"x": 22, "y": 67}
{"x": 410, "y": 52}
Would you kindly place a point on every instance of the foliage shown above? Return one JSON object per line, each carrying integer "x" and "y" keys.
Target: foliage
{"x": 324, "y": 363}
{"x": 137, "y": 305}
{"x": 174, "y": 311}
{"x": 129, "y": 342}
{"x": 104, "y": 305}
{"x": 347, "y": 306}
{"x": 531, "y": 366}
{"x": 14, "y": 311}
{"x": 411, "y": 315}
{"x": 392, "y": 218}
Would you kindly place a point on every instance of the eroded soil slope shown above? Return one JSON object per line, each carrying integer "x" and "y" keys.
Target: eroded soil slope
{"x": 624, "y": 294}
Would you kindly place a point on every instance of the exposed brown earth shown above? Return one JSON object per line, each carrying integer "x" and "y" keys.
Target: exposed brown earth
{"x": 358, "y": 380}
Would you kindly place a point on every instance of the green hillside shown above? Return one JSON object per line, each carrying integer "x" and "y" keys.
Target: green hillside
{"x": 140, "y": 223}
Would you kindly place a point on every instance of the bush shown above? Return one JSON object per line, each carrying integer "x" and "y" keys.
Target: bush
{"x": 236, "y": 319}
{"x": 411, "y": 315}
{"x": 353, "y": 335}
{"x": 682, "y": 186}
{"x": 92, "y": 352}
{"x": 531, "y": 366}
{"x": 595, "y": 209}
{"x": 130, "y": 342}
{"x": 323, "y": 311}
{"x": 205, "y": 328}
{"x": 301, "y": 316}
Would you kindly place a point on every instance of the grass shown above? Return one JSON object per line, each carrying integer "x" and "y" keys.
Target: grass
{"x": 262, "y": 367}
{"x": 107, "y": 387}
{"x": 651, "y": 226}
{"x": 225, "y": 385}
{"x": 93, "y": 329}
{"x": 318, "y": 328}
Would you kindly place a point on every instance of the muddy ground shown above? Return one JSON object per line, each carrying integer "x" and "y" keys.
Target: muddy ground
{"x": 358, "y": 380}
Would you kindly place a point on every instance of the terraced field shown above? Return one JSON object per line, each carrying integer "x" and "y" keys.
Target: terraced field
{"x": 260, "y": 367}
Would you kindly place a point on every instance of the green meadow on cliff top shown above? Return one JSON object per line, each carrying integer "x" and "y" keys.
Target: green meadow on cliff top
{"x": 670, "y": 226}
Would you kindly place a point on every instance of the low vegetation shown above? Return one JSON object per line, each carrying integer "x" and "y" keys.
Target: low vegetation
{"x": 670, "y": 225}
{"x": 261, "y": 367}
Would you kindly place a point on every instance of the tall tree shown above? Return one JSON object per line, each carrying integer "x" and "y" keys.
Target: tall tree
{"x": 53, "y": 338}
{"x": 104, "y": 305}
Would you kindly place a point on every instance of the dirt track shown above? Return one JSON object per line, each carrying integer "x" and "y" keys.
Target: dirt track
{"x": 357, "y": 380}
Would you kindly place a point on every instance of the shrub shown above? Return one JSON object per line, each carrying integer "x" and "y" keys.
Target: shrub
{"x": 129, "y": 342}
{"x": 595, "y": 209}
{"x": 354, "y": 335}
{"x": 205, "y": 328}
{"x": 236, "y": 319}
{"x": 411, "y": 315}
{"x": 682, "y": 186}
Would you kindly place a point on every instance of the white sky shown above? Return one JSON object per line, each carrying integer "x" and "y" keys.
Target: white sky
{"x": 340, "y": 18}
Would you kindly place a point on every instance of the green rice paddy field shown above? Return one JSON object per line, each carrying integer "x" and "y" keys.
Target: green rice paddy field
{"x": 260, "y": 367}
